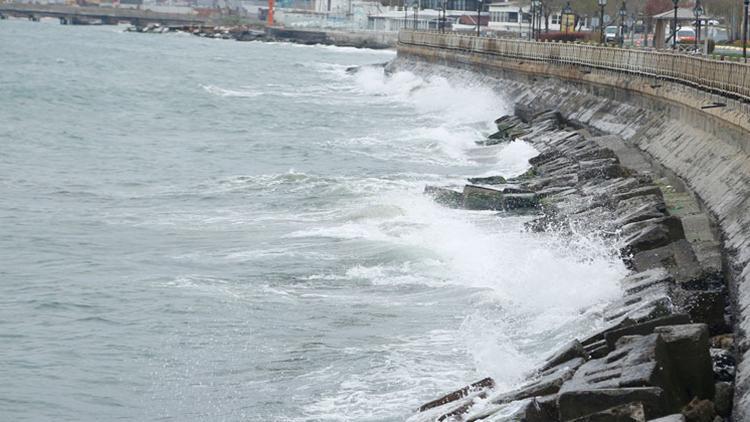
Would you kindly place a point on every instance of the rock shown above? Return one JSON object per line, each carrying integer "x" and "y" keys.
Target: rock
{"x": 481, "y": 198}
{"x": 481, "y": 385}
{"x": 547, "y": 155}
{"x": 688, "y": 350}
{"x": 673, "y": 359}
{"x": 604, "y": 171}
{"x": 549, "y": 115}
{"x": 654, "y": 235}
{"x": 723, "y": 398}
{"x": 646, "y": 211}
{"x": 699, "y": 411}
{"x": 657, "y": 201}
{"x": 546, "y": 383}
{"x": 723, "y": 364}
{"x": 525, "y": 112}
{"x": 547, "y": 406}
{"x": 531, "y": 410}
{"x": 561, "y": 180}
{"x": 637, "y": 282}
{"x": 576, "y": 404}
{"x": 649, "y": 190}
{"x": 629, "y": 412}
{"x": 594, "y": 152}
{"x": 677, "y": 258}
{"x": 677, "y": 417}
{"x": 706, "y": 306}
{"x": 491, "y": 180}
{"x": 515, "y": 201}
{"x": 573, "y": 349}
{"x": 515, "y": 189}
{"x": 637, "y": 361}
{"x": 723, "y": 341}
{"x": 643, "y": 328}
{"x": 447, "y": 197}
{"x": 650, "y": 303}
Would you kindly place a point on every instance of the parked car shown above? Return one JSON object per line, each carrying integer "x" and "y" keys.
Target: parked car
{"x": 716, "y": 33}
{"x": 684, "y": 35}
{"x": 611, "y": 33}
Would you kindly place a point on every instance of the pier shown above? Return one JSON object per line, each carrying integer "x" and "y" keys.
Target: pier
{"x": 106, "y": 15}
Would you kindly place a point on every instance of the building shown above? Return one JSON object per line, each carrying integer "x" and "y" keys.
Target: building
{"x": 515, "y": 17}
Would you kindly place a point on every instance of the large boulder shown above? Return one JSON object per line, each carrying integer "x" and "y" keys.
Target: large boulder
{"x": 650, "y": 234}
{"x": 673, "y": 364}
{"x": 483, "y": 198}
{"x": 688, "y": 350}
{"x": 444, "y": 196}
{"x": 490, "y": 180}
{"x": 576, "y": 404}
{"x": 469, "y": 390}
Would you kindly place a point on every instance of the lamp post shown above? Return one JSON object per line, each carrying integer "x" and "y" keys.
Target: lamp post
{"x": 674, "y": 25}
{"x": 537, "y": 4}
{"x": 406, "y": 10}
{"x": 442, "y": 27}
{"x": 532, "y": 16}
{"x": 602, "y": 3}
{"x": 479, "y": 16}
{"x": 744, "y": 32}
{"x": 697, "y": 12}
{"x": 622, "y": 12}
{"x": 416, "y": 13}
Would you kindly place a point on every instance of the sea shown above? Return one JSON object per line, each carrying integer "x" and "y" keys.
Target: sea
{"x": 208, "y": 230}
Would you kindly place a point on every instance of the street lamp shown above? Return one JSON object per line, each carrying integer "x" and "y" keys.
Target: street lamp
{"x": 406, "y": 10}
{"x": 697, "y": 12}
{"x": 416, "y": 14}
{"x": 744, "y": 32}
{"x": 623, "y": 12}
{"x": 532, "y": 12}
{"x": 602, "y": 3}
{"x": 445, "y": 5}
{"x": 674, "y": 25}
{"x": 537, "y": 5}
{"x": 479, "y": 16}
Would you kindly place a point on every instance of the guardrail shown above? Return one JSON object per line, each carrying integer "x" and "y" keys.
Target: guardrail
{"x": 730, "y": 79}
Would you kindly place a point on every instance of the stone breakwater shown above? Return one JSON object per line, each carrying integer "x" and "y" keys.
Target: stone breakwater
{"x": 666, "y": 351}
{"x": 358, "y": 39}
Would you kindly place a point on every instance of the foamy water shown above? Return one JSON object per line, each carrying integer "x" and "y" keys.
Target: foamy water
{"x": 207, "y": 230}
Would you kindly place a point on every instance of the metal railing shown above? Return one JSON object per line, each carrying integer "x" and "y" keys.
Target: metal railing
{"x": 730, "y": 79}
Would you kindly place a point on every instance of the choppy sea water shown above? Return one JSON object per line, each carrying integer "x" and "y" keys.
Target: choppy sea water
{"x": 209, "y": 230}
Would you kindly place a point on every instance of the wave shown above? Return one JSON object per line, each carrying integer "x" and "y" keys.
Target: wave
{"x": 222, "y": 92}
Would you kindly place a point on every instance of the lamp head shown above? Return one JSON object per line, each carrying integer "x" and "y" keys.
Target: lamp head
{"x": 602, "y": 3}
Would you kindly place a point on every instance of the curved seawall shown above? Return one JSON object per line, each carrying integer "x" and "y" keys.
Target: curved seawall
{"x": 698, "y": 134}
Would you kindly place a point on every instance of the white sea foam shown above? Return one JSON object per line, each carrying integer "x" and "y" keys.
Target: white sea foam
{"x": 223, "y": 92}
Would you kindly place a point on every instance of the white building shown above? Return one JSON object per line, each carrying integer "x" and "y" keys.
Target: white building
{"x": 515, "y": 17}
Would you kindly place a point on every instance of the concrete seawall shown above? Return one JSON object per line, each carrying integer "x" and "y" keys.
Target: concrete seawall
{"x": 701, "y": 137}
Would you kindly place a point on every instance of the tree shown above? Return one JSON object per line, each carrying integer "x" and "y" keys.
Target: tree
{"x": 654, "y": 7}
